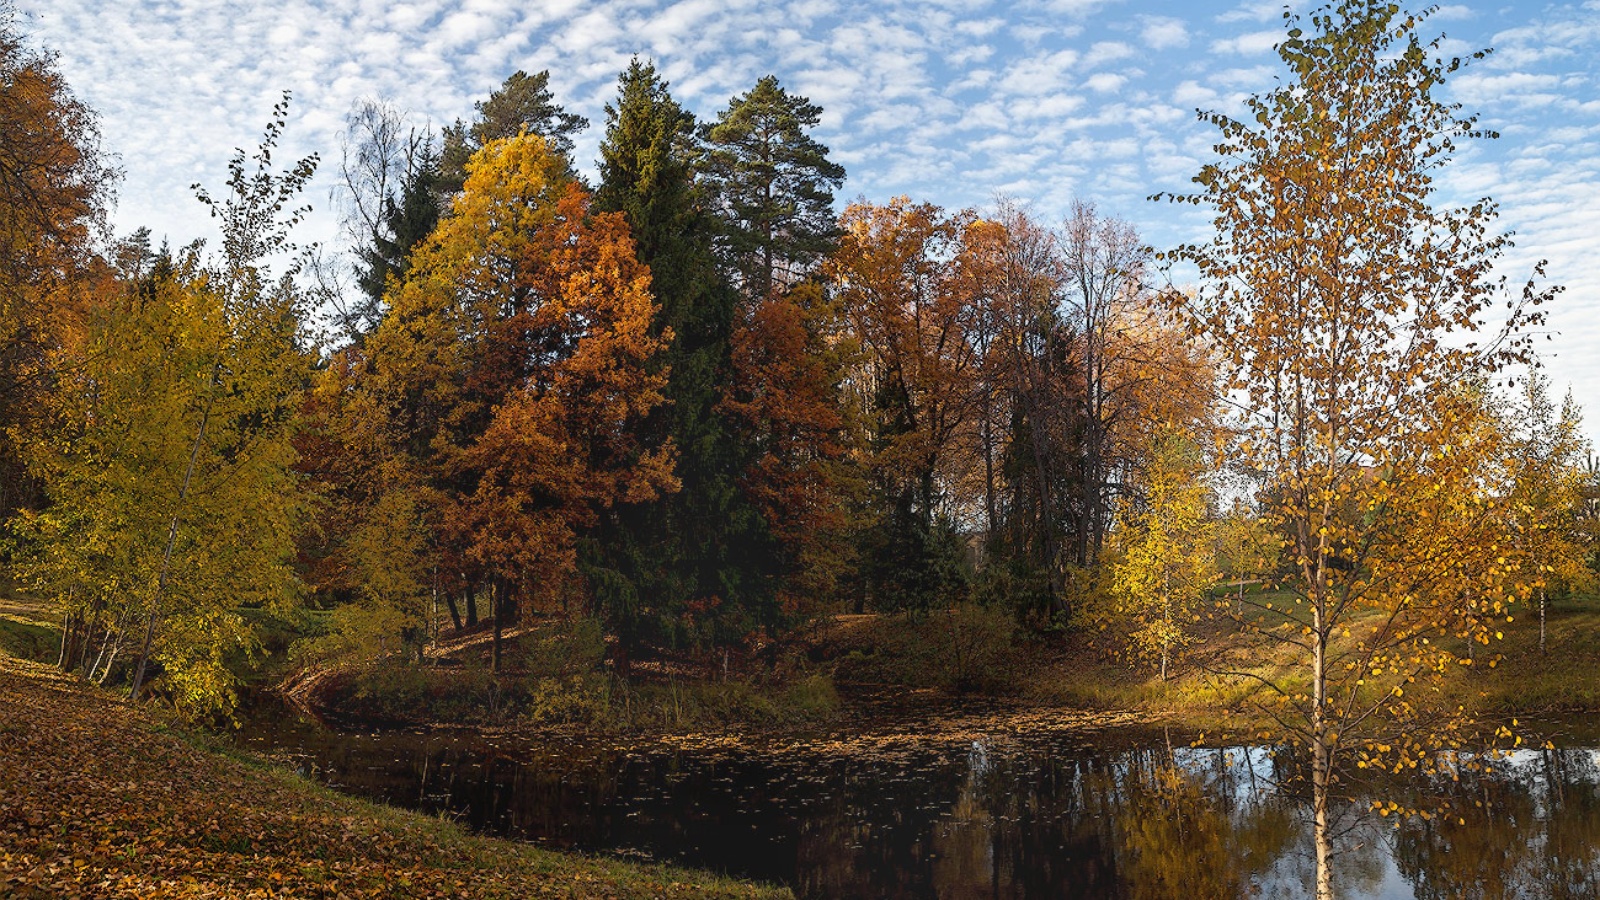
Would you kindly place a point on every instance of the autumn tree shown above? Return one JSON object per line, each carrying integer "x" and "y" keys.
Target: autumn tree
{"x": 512, "y": 371}
{"x": 1546, "y": 492}
{"x": 1165, "y": 563}
{"x": 1352, "y": 317}
{"x": 1138, "y": 374}
{"x": 1025, "y": 431}
{"x": 173, "y": 502}
{"x": 896, "y": 277}
{"x": 55, "y": 187}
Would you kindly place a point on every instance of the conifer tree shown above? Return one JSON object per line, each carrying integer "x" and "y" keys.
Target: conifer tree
{"x": 671, "y": 571}
{"x": 773, "y": 185}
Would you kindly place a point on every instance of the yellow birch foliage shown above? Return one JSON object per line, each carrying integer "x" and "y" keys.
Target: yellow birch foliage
{"x": 174, "y": 426}
{"x": 1165, "y": 564}
{"x": 1354, "y": 322}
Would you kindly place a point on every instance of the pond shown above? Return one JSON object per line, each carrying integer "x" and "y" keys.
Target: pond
{"x": 1119, "y": 813}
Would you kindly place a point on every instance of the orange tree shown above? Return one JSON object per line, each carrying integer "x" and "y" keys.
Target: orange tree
{"x": 511, "y": 371}
{"x": 1353, "y": 320}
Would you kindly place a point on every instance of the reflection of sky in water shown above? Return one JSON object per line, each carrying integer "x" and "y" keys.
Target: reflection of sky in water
{"x": 1015, "y": 815}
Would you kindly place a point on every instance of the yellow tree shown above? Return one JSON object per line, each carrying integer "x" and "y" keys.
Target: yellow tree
{"x": 1546, "y": 496}
{"x": 1352, "y": 317}
{"x": 1166, "y": 564}
{"x": 509, "y": 377}
{"x": 173, "y": 504}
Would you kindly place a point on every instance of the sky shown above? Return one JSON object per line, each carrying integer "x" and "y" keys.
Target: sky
{"x": 955, "y": 102}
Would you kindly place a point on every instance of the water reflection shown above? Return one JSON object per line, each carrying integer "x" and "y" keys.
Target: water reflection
{"x": 1111, "y": 816}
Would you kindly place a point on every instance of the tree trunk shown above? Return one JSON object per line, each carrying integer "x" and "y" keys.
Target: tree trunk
{"x": 1321, "y": 753}
{"x": 497, "y": 597}
{"x": 472, "y": 606}
{"x": 455, "y": 612}
{"x": 1541, "y": 621}
{"x": 172, "y": 540}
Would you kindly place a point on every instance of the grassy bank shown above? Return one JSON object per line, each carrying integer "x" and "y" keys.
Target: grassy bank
{"x": 101, "y": 799}
{"x": 1561, "y": 677}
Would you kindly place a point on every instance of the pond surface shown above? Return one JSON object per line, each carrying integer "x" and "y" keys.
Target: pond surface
{"x": 1057, "y": 814}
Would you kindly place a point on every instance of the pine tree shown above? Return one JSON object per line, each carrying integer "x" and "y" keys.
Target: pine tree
{"x": 668, "y": 571}
{"x": 522, "y": 103}
{"x": 773, "y": 185}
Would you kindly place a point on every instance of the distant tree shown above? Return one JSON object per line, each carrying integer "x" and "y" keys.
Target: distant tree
{"x": 522, "y": 103}
{"x": 390, "y": 172}
{"x": 1547, "y": 492}
{"x": 1029, "y": 407}
{"x": 1165, "y": 564}
{"x": 1350, "y": 315}
{"x": 896, "y": 278}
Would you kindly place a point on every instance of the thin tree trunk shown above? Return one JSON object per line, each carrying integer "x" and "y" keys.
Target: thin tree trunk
{"x": 172, "y": 540}
{"x": 1321, "y": 753}
{"x": 1541, "y": 621}
{"x": 66, "y": 641}
{"x": 115, "y": 649}
{"x": 472, "y": 606}
{"x": 497, "y": 597}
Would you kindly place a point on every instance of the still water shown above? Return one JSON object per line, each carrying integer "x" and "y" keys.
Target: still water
{"x": 1108, "y": 814}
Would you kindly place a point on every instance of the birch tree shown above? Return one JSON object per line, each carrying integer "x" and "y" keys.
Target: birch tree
{"x": 1356, "y": 320}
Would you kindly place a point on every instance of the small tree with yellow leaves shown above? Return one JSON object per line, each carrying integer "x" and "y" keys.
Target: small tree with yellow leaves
{"x": 1166, "y": 564}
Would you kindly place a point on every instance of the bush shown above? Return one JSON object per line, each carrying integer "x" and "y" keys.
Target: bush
{"x": 564, "y": 647}
{"x": 964, "y": 649}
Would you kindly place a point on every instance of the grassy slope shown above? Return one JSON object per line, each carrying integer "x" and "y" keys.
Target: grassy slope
{"x": 1565, "y": 677}
{"x": 101, "y": 799}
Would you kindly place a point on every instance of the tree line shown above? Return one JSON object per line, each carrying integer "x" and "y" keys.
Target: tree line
{"x": 691, "y": 401}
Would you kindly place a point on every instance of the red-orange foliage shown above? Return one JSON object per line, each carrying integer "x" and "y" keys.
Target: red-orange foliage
{"x": 511, "y": 371}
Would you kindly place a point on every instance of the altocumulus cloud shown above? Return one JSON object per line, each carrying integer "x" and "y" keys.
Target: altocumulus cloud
{"x": 954, "y": 101}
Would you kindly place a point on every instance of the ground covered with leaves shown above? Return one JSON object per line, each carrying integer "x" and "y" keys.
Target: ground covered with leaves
{"x": 99, "y": 799}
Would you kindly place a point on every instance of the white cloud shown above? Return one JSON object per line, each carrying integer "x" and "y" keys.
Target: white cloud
{"x": 1105, "y": 83}
{"x": 946, "y": 100}
{"x": 1163, "y": 32}
{"x": 1248, "y": 44}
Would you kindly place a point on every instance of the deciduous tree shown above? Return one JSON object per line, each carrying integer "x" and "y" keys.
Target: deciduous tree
{"x": 1353, "y": 317}
{"x": 513, "y": 370}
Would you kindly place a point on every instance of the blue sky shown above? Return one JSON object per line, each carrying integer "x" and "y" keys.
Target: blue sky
{"x": 950, "y": 101}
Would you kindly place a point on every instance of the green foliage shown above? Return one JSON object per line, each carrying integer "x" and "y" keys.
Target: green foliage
{"x": 565, "y": 647}
{"x": 522, "y": 104}
{"x": 360, "y": 633}
{"x": 670, "y": 572}
{"x": 967, "y": 648}
{"x": 772, "y": 184}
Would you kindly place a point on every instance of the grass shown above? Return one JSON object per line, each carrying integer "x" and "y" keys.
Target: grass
{"x": 1090, "y": 672}
{"x": 108, "y": 800}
